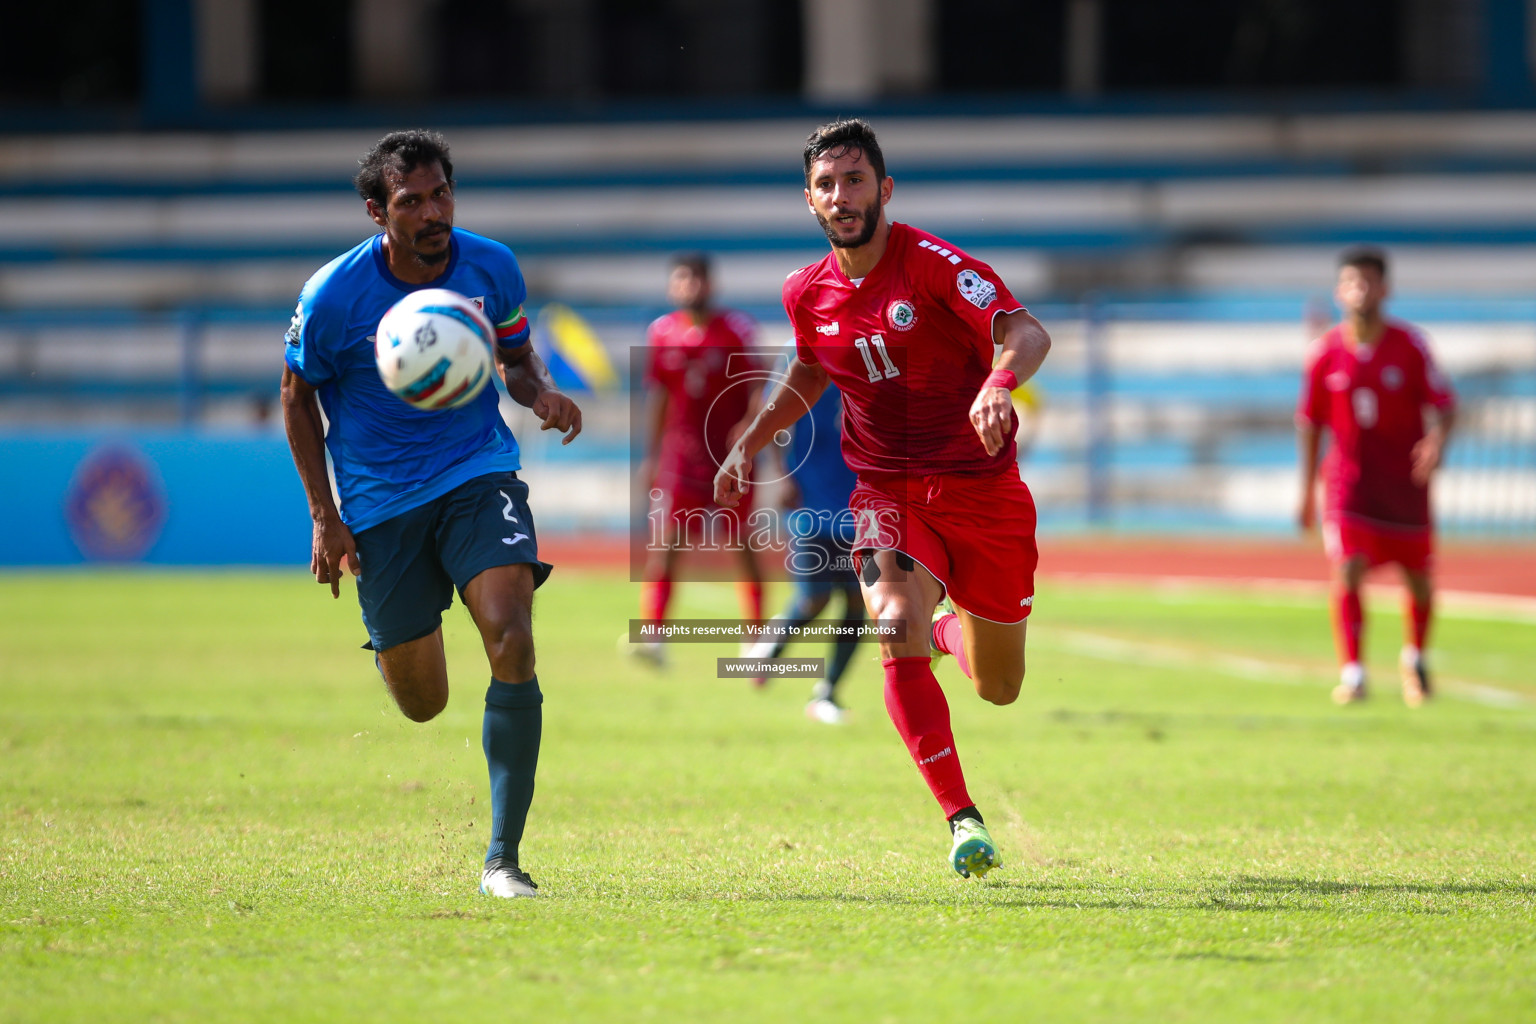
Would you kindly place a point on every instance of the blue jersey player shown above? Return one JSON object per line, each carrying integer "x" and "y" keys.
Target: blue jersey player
{"x": 820, "y": 559}
{"x": 430, "y": 502}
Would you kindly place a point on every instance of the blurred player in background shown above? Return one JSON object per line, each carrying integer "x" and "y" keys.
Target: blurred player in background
{"x": 905, "y": 325}
{"x": 819, "y": 558}
{"x": 693, "y": 413}
{"x": 430, "y": 501}
{"x": 1368, "y": 382}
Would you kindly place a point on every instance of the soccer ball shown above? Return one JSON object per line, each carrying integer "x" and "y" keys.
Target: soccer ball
{"x": 433, "y": 348}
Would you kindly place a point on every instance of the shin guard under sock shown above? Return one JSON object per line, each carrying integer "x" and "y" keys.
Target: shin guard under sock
{"x": 514, "y": 723}
{"x": 917, "y": 707}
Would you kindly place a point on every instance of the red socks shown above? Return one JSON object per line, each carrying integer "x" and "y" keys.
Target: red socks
{"x": 1418, "y": 622}
{"x": 917, "y": 707}
{"x": 949, "y": 638}
{"x": 655, "y": 595}
{"x": 751, "y": 596}
{"x": 1347, "y": 619}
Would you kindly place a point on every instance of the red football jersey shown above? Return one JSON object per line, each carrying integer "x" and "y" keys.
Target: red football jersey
{"x": 1372, "y": 399}
{"x": 706, "y": 372}
{"x": 909, "y": 346}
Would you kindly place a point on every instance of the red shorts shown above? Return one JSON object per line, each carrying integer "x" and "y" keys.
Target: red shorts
{"x": 975, "y": 534}
{"x": 1346, "y": 536}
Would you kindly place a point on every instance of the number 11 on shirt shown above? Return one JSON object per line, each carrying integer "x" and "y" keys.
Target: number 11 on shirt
{"x": 878, "y": 343}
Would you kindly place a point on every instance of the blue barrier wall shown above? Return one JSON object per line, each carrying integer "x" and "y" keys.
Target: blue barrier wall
{"x": 157, "y": 497}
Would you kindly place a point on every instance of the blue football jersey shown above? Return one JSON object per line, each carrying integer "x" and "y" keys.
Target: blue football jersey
{"x": 389, "y": 457}
{"x": 816, "y": 456}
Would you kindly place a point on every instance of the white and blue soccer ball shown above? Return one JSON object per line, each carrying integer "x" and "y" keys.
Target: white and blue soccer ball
{"x": 434, "y": 349}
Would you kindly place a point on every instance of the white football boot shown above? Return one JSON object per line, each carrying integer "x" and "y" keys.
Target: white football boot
{"x": 502, "y": 877}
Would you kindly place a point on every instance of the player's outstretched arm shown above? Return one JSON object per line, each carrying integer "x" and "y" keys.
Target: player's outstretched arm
{"x": 793, "y": 398}
{"x": 530, "y": 385}
{"x": 306, "y": 440}
{"x": 1025, "y": 344}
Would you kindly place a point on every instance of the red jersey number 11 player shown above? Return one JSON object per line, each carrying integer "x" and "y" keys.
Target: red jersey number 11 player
{"x": 906, "y": 326}
{"x": 1369, "y": 381}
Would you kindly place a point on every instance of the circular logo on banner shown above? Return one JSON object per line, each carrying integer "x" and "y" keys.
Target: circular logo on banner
{"x": 902, "y": 315}
{"x": 115, "y": 505}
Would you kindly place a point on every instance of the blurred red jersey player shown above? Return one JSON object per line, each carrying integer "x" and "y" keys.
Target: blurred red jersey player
{"x": 699, "y": 375}
{"x": 905, "y": 325}
{"x": 1368, "y": 382}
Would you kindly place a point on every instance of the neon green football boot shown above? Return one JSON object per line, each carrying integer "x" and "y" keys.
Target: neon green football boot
{"x": 945, "y": 607}
{"x": 974, "y": 853}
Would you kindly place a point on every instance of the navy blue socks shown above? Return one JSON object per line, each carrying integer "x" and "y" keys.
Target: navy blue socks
{"x": 842, "y": 653}
{"x": 794, "y": 618}
{"x": 514, "y": 721}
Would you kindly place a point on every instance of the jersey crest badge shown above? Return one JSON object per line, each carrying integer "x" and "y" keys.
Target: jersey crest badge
{"x": 975, "y": 289}
{"x": 1391, "y": 377}
{"x": 295, "y": 326}
{"x": 901, "y": 315}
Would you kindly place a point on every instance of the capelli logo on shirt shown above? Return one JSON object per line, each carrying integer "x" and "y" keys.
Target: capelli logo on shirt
{"x": 828, "y": 329}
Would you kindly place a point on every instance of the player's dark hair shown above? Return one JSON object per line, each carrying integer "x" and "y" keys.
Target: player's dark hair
{"x": 1365, "y": 256}
{"x": 404, "y": 152}
{"x": 697, "y": 262}
{"x": 841, "y": 137}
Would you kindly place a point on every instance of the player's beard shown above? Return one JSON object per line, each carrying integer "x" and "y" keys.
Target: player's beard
{"x": 430, "y": 258}
{"x": 871, "y": 218}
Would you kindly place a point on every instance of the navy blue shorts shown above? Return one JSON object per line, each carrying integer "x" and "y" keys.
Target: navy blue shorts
{"x": 412, "y": 564}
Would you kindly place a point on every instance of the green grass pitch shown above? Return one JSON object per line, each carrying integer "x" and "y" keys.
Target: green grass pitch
{"x": 209, "y": 810}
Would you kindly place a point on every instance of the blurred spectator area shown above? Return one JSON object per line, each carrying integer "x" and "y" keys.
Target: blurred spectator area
{"x": 1167, "y": 185}
{"x": 181, "y": 62}
{"x": 1061, "y": 205}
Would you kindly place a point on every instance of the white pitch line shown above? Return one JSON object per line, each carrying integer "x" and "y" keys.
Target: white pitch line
{"x": 1454, "y": 604}
{"x": 711, "y": 597}
{"x": 1241, "y": 666}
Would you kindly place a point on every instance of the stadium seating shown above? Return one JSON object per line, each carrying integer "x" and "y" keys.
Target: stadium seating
{"x": 1173, "y": 203}
{"x": 152, "y": 275}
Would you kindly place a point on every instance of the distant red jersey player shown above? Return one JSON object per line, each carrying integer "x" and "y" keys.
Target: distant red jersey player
{"x": 1369, "y": 382}
{"x": 906, "y": 325}
{"x": 698, "y": 378}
